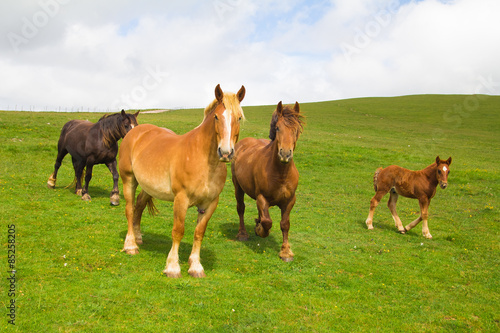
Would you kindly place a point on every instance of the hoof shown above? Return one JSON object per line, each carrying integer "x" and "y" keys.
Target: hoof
{"x": 287, "y": 259}
{"x": 242, "y": 236}
{"x": 79, "y": 192}
{"x": 370, "y": 227}
{"x": 171, "y": 274}
{"x": 197, "y": 274}
{"x": 402, "y": 232}
{"x": 428, "y": 236}
{"x": 51, "y": 183}
{"x": 115, "y": 199}
{"x": 86, "y": 197}
{"x": 132, "y": 251}
{"x": 260, "y": 231}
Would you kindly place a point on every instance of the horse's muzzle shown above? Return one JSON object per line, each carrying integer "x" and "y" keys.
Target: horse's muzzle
{"x": 443, "y": 185}
{"x": 225, "y": 156}
{"x": 285, "y": 155}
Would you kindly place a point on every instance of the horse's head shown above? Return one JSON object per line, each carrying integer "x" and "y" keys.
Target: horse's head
{"x": 443, "y": 170}
{"x": 227, "y": 115}
{"x": 129, "y": 121}
{"x": 286, "y": 126}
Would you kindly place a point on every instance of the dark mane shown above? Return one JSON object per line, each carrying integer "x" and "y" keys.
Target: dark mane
{"x": 292, "y": 119}
{"x": 112, "y": 128}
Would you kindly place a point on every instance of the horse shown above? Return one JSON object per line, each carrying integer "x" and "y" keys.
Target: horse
{"x": 419, "y": 185}
{"x": 90, "y": 144}
{"x": 188, "y": 169}
{"x": 265, "y": 171}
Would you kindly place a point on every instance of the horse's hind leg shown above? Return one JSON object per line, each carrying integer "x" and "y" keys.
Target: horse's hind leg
{"x": 373, "y": 204}
{"x": 286, "y": 253}
{"x": 142, "y": 201}
{"x": 61, "y": 153}
{"x": 240, "y": 208}
{"x": 264, "y": 222}
{"x": 424, "y": 206}
{"x": 79, "y": 166}
{"x": 393, "y": 199}
{"x": 88, "y": 177}
{"x": 115, "y": 193}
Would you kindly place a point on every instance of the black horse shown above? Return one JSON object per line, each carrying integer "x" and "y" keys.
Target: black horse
{"x": 90, "y": 144}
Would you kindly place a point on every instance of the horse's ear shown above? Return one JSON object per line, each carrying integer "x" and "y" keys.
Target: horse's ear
{"x": 219, "y": 94}
{"x": 123, "y": 113}
{"x": 279, "y": 109}
{"x": 438, "y": 160}
{"x": 241, "y": 93}
{"x": 448, "y": 161}
{"x": 137, "y": 113}
{"x": 297, "y": 107}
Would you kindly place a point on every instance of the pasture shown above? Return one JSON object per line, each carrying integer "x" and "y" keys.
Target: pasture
{"x": 72, "y": 277}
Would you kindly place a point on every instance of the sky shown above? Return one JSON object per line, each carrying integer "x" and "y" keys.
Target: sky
{"x": 108, "y": 55}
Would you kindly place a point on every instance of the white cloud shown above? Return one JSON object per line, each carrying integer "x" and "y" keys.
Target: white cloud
{"x": 116, "y": 54}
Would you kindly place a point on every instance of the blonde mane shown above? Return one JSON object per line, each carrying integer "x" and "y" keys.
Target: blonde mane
{"x": 230, "y": 101}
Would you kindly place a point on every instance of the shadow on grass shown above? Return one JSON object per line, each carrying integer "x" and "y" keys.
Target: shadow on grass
{"x": 161, "y": 244}
{"x": 255, "y": 243}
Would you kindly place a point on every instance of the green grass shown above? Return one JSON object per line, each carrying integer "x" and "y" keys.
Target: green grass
{"x": 72, "y": 277}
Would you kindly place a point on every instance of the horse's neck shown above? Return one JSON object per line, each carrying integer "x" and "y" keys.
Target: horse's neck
{"x": 206, "y": 139}
{"x": 430, "y": 173}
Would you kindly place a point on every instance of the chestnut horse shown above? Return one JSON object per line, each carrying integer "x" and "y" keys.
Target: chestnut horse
{"x": 90, "y": 144}
{"x": 419, "y": 185}
{"x": 187, "y": 169}
{"x": 265, "y": 171}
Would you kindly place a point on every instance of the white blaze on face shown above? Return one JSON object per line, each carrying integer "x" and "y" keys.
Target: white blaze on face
{"x": 445, "y": 169}
{"x": 226, "y": 139}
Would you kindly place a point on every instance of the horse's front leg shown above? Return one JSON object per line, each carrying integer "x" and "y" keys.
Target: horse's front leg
{"x": 286, "y": 253}
{"x": 424, "y": 205}
{"x": 204, "y": 215}
{"x": 240, "y": 208}
{"x": 181, "y": 204}
{"x": 264, "y": 222}
{"x": 88, "y": 177}
{"x": 115, "y": 193}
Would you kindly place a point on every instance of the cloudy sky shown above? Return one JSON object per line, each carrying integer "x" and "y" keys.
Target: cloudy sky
{"x": 106, "y": 55}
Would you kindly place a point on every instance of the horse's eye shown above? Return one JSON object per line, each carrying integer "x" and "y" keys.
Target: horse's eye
{"x": 216, "y": 117}
{"x": 439, "y": 171}
{"x": 239, "y": 119}
{"x": 277, "y": 129}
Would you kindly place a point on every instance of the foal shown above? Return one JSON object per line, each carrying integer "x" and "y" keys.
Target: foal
{"x": 265, "y": 171}
{"x": 419, "y": 185}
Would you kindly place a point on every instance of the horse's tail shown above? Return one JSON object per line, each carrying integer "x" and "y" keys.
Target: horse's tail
{"x": 375, "y": 179}
{"x": 151, "y": 207}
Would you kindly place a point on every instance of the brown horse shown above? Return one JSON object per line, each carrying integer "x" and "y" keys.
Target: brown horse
{"x": 90, "y": 144}
{"x": 187, "y": 169}
{"x": 265, "y": 171}
{"x": 419, "y": 185}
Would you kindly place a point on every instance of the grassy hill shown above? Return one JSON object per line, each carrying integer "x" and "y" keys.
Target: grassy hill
{"x": 72, "y": 277}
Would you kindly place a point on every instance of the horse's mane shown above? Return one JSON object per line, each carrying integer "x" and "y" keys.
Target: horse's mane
{"x": 112, "y": 128}
{"x": 230, "y": 101}
{"x": 292, "y": 118}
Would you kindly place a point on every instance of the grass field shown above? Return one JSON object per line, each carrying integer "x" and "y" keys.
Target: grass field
{"x": 72, "y": 277}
